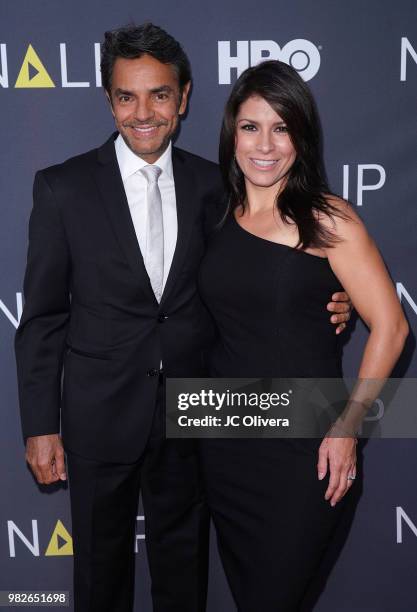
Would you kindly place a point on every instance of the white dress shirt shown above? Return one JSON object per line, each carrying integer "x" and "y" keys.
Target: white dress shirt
{"x": 136, "y": 188}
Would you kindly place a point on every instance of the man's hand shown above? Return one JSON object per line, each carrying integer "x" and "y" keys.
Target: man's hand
{"x": 341, "y": 305}
{"x": 45, "y": 455}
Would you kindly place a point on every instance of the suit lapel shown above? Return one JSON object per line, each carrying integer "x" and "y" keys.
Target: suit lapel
{"x": 110, "y": 186}
{"x": 185, "y": 194}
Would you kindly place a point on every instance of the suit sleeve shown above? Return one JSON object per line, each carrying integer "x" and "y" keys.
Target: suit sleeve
{"x": 40, "y": 338}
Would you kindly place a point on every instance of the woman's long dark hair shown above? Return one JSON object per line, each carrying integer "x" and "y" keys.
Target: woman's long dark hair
{"x": 306, "y": 188}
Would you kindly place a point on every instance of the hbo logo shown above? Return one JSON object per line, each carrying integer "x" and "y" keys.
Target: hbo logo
{"x": 300, "y": 53}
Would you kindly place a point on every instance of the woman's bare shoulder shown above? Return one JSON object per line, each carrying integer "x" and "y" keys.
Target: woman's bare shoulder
{"x": 342, "y": 219}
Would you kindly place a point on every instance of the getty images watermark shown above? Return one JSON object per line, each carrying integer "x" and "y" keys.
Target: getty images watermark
{"x": 230, "y": 400}
{"x": 290, "y": 408}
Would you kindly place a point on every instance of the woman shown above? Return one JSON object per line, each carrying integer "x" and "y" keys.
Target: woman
{"x": 285, "y": 242}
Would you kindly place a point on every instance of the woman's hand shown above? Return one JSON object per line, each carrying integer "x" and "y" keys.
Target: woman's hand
{"x": 339, "y": 454}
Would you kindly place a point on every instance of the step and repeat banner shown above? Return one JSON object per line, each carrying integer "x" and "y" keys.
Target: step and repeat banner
{"x": 360, "y": 59}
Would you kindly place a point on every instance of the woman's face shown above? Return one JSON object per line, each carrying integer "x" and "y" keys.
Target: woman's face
{"x": 264, "y": 151}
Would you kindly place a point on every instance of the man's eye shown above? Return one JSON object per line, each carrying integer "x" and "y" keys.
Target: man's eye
{"x": 161, "y": 96}
{"x": 124, "y": 99}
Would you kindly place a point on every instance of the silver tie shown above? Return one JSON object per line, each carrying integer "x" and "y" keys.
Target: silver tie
{"x": 154, "y": 256}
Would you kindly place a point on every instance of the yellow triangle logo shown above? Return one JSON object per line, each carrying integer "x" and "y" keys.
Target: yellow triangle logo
{"x": 60, "y": 542}
{"x": 33, "y": 73}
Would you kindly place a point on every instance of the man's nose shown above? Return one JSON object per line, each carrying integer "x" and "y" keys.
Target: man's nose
{"x": 144, "y": 110}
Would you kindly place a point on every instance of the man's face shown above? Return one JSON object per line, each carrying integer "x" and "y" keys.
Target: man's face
{"x": 146, "y": 103}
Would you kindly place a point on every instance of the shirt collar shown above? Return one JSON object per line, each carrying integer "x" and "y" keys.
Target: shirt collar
{"x": 129, "y": 162}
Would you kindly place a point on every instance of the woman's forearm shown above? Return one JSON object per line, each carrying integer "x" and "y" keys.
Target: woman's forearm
{"x": 382, "y": 350}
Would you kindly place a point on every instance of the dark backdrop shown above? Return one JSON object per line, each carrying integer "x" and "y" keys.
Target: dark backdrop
{"x": 360, "y": 58}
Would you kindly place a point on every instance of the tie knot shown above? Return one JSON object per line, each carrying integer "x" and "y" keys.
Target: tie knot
{"x": 151, "y": 173}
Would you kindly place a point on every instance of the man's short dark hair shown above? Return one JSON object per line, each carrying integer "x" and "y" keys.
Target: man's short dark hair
{"x": 131, "y": 42}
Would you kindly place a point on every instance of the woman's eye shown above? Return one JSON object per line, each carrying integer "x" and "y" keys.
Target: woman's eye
{"x": 249, "y": 127}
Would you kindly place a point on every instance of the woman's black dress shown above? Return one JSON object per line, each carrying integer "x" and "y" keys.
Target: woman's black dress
{"x": 268, "y": 301}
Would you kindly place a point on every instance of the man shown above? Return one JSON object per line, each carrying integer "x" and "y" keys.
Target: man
{"x": 115, "y": 239}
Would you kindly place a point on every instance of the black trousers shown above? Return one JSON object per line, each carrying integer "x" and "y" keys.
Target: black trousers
{"x": 104, "y": 503}
{"x": 272, "y": 522}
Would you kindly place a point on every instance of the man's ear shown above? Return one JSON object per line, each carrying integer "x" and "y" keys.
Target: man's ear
{"x": 184, "y": 98}
{"x": 108, "y": 96}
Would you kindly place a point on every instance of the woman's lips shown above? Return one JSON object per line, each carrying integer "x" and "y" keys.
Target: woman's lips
{"x": 264, "y": 164}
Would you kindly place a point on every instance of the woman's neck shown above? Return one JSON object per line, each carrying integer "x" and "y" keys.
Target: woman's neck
{"x": 260, "y": 200}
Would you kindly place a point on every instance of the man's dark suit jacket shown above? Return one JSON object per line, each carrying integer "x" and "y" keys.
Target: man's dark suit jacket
{"x": 90, "y": 309}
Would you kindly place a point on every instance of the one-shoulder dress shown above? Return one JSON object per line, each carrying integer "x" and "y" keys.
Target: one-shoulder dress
{"x": 268, "y": 302}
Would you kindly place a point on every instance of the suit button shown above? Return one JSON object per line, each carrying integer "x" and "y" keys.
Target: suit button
{"x": 162, "y": 318}
{"x": 152, "y": 372}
